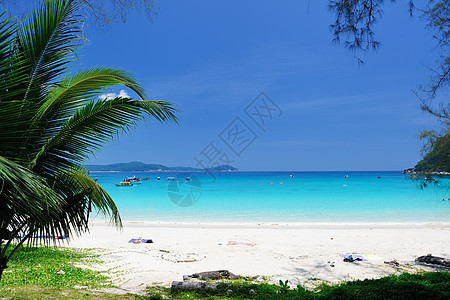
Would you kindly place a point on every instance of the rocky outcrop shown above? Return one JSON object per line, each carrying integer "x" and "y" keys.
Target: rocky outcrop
{"x": 430, "y": 259}
{"x": 212, "y": 275}
{"x": 409, "y": 171}
{"x": 182, "y": 285}
{"x": 414, "y": 171}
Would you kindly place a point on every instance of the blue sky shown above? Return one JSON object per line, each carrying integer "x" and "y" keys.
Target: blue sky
{"x": 212, "y": 58}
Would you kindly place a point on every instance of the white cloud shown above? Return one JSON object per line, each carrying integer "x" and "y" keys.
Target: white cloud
{"x": 108, "y": 96}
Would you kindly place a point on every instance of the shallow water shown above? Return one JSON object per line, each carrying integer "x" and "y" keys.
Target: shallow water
{"x": 307, "y": 197}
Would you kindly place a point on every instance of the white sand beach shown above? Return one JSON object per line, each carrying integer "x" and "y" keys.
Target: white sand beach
{"x": 301, "y": 253}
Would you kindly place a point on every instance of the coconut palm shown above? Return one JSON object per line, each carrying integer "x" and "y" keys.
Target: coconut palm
{"x": 51, "y": 121}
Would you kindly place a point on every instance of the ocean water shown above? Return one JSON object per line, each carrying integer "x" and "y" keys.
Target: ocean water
{"x": 307, "y": 197}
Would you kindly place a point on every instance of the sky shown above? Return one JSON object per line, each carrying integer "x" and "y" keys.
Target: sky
{"x": 221, "y": 61}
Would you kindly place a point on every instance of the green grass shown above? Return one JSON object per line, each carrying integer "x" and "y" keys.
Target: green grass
{"x": 40, "y": 292}
{"x": 405, "y": 286}
{"x": 38, "y": 266}
{"x": 31, "y": 274}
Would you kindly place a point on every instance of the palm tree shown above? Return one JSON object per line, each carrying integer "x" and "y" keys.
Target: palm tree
{"x": 51, "y": 121}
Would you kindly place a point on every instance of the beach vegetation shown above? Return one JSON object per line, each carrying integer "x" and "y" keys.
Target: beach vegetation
{"x": 431, "y": 285}
{"x": 35, "y": 273}
{"x": 101, "y": 13}
{"x": 33, "y": 266}
{"x": 437, "y": 152}
{"x": 51, "y": 121}
{"x": 32, "y": 274}
{"x": 354, "y": 24}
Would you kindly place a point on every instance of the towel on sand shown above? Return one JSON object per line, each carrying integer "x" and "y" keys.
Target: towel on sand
{"x": 139, "y": 241}
{"x": 355, "y": 257}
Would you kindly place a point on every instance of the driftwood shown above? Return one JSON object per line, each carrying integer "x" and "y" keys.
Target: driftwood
{"x": 429, "y": 259}
{"x": 180, "y": 285}
{"x": 212, "y": 275}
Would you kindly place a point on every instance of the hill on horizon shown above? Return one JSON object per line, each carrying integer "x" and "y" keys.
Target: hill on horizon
{"x": 140, "y": 166}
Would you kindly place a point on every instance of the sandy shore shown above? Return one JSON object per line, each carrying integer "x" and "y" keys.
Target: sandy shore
{"x": 301, "y": 253}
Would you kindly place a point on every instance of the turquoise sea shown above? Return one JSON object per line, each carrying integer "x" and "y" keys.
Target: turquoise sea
{"x": 307, "y": 197}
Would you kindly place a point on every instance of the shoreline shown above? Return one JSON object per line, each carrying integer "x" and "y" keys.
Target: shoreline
{"x": 280, "y": 251}
{"x": 280, "y": 225}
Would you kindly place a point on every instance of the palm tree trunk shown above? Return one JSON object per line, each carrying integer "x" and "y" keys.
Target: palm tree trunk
{"x": 5, "y": 258}
{"x": 2, "y": 259}
{"x": 2, "y": 266}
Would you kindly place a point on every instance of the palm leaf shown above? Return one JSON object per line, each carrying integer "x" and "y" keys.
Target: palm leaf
{"x": 73, "y": 92}
{"x": 33, "y": 56}
{"x": 9, "y": 63}
{"x": 50, "y": 124}
{"x": 78, "y": 185}
{"x": 92, "y": 126}
{"x": 48, "y": 39}
{"x": 82, "y": 196}
{"x": 26, "y": 201}
{"x": 19, "y": 187}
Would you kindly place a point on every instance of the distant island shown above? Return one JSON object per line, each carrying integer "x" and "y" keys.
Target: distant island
{"x": 436, "y": 162}
{"x": 137, "y": 166}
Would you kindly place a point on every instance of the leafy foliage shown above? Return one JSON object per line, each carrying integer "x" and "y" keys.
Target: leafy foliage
{"x": 355, "y": 21}
{"x": 437, "y": 148}
{"x": 39, "y": 266}
{"x": 101, "y": 13}
{"x": 406, "y": 286}
{"x": 51, "y": 121}
{"x": 105, "y": 12}
{"x": 32, "y": 275}
{"x": 33, "y": 269}
{"x": 437, "y": 16}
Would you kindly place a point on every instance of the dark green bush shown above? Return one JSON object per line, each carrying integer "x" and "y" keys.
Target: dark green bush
{"x": 406, "y": 286}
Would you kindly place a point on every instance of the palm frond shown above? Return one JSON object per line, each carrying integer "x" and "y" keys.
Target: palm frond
{"x": 162, "y": 111}
{"x": 25, "y": 198}
{"x": 77, "y": 183}
{"x": 92, "y": 126}
{"x": 73, "y": 92}
{"x": 33, "y": 56}
{"x": 8, "y": 29}
{"x": 82, "y": 197}
{"x": 48, "y": 39}
{"x": 49, "y": 124}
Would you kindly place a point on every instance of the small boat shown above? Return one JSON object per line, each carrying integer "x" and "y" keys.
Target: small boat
{"x": 158, "y": 178}
{"x": 171, "y": 178}
{"x": 188, "y": 179}
{"x": 133, "y": 179}
{"x": 132, "y": 182}
{"x": 124, "y": 183}
{"x": 346, "y": 176}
